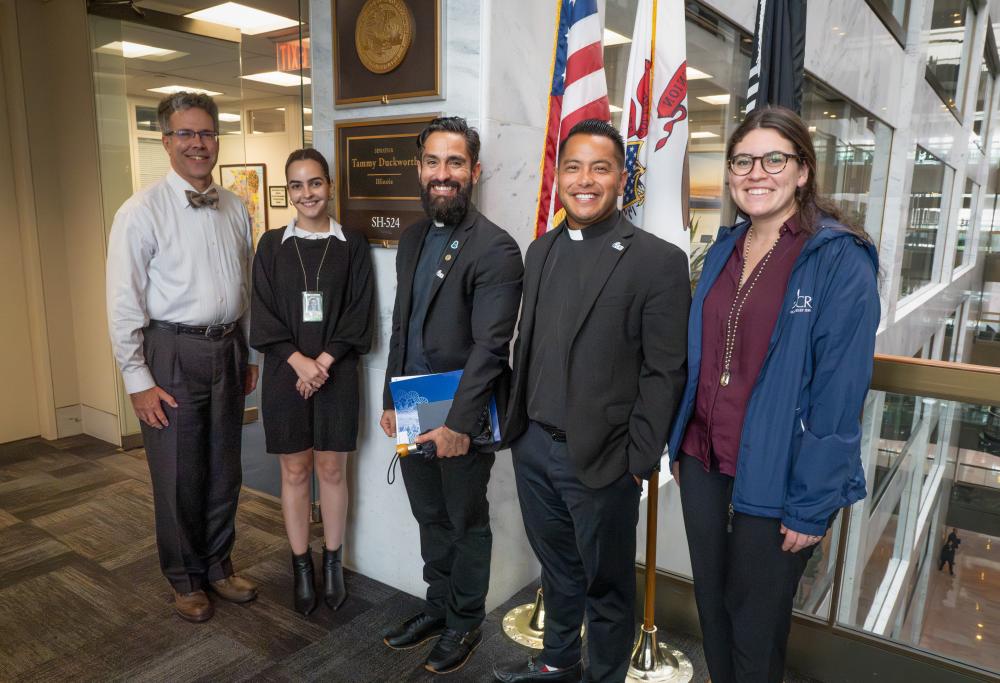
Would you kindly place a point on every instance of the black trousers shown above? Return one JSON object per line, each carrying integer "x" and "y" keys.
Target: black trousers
{"x": 744, "y": 583}
{"x": 194, "y": 463}
{"x": 585, "y": 541}
{"x": 448, "y": 500}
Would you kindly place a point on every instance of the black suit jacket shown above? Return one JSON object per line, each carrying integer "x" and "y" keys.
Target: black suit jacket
{"x": 470, "y": 317}
{"x": 626, "y": 363}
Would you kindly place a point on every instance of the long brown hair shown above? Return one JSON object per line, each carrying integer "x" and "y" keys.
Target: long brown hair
{"x": 788, "y": 125}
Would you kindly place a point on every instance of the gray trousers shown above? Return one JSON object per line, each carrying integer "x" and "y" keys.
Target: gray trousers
{"x": 194, "y": 463}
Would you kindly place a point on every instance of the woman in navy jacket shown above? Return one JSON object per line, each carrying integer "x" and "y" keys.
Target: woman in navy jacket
{"x": 766, "y": 446}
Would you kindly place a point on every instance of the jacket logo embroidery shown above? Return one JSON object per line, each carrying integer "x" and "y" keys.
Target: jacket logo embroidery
{"x": 803, "y": 303}
{"x": 618, "y": 245}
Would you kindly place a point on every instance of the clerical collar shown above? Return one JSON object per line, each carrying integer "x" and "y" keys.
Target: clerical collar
{"x": 596, "y": 230}
{"x": 293, "y": 230}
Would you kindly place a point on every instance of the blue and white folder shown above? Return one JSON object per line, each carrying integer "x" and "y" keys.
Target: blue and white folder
{"x": 422, "y": 403}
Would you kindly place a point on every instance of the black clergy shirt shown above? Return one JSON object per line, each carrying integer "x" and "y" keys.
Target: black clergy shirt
{"x": 567, "y": 267}
{"x": 437, "y": 237}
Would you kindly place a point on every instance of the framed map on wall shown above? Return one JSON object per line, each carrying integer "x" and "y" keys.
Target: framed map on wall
{"x": 249, "y": 183}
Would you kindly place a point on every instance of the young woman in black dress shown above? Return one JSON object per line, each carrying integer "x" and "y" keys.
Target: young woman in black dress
{"x": 311, "y": 318}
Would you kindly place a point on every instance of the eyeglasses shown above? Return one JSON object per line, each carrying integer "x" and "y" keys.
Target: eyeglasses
{"x": 772, "y": 162}
{"x": 185, "y": 135}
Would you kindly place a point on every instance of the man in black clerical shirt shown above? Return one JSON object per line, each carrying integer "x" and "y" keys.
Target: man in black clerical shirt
{"x": 599, "y": 367}
{"x": 458, "y": 290}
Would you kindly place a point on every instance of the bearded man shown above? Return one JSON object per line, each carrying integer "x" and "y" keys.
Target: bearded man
{"x": 457, "y": 296}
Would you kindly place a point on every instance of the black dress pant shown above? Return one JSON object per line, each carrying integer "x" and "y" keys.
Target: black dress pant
{"x": 448, "y": 500}
{"x": 744, "y": 583}
{"x": 585, "y": 541}
{"x": 194, "y": 463}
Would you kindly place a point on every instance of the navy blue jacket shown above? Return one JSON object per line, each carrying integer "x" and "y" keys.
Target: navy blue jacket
{"x": 800, "y": 449}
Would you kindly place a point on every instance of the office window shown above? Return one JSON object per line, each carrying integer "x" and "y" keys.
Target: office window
{"x": 949, "y": 37}
{"x": 852, "y": 154}
{"x": 894, "y": 14}
{"x": 927, "y": 206}
{"x": 969, "y": 200}
{"x": 984, "y": 92}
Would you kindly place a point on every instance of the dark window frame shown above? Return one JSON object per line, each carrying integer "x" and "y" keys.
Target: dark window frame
{"x": 885, "y": 15}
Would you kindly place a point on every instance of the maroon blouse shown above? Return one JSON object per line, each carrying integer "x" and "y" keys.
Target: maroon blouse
{"x": 713, "y": 434}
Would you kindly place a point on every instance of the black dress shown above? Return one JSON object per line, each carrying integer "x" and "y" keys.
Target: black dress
{"x": 328, "y": 420}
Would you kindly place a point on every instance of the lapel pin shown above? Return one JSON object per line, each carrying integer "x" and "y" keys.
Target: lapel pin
{"x": 440, "y": 274}
{"x": 447, "y": 257}
{"x": 618, "y": 245}
{"x": 454, "y": 245}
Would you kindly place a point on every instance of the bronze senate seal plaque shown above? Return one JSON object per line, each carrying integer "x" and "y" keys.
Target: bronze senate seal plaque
{"x": 383, "y": 34}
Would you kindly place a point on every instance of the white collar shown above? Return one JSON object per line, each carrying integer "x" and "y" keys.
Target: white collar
{"x": 181, "y": 186}
{"x": 294, "y": 230}
{"x": 575, "y": 235}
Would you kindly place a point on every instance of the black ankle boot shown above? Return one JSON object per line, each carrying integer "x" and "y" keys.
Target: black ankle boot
{"x": 305, "y": 589}
{"x": 334, "y": 592}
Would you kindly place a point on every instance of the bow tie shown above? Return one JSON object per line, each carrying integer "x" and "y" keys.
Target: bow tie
{"x": 209, "y": 198}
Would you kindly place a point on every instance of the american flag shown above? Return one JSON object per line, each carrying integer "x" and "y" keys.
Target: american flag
{"x": 579, "y": 92}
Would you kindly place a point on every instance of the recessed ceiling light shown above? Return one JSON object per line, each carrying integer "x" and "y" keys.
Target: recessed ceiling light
{"x": 694, "y": 74}
{"x": 128, "y": 50}
{"x": 307, "y": 110}
{"x": 171, "y": 89}
{"x": 248, "y": 20}
{"x": 615, "y": 109}
{"x": 703, "y": 134}
{"x": 812, "y": 129}
{"x": 229, "y": 118}
{"x": 279, "y": 78}
{"x": 717, "y": 100}
{"x": 614, "y": 38}
{"x": 307, "y": 127}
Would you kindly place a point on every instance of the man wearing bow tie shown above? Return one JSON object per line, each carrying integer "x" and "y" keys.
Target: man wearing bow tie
{"x": 179, "y": 259}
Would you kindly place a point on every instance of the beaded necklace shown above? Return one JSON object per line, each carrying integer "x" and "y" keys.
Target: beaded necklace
{"x": 743, "y": 290}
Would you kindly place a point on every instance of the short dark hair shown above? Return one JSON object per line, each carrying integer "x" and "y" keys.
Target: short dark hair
{"x": 601, "y": 128}
{"x": 182, "y": 101}
{"x": 308, "y": 154}
{"x": 451, "y": 124}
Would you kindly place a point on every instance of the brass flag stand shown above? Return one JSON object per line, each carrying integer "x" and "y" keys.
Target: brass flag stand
{"x": 653, "y": 661}
{"x": 525, "y": 624}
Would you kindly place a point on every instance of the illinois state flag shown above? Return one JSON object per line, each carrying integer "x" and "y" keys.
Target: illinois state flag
{"x": 655, "y": 123}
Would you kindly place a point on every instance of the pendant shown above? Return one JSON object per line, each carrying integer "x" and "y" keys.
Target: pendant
{"x": 724, "y": 380}
{"x": 312, "y": 307}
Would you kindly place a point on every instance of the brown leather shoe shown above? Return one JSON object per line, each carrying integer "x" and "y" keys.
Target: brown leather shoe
{"x": 235, "y": 589}
{"x": 194, "y": 607}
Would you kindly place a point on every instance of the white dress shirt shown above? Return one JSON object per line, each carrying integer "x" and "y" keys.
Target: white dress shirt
{"x": 293, "y": 230}
{"x": 170, "y": 261}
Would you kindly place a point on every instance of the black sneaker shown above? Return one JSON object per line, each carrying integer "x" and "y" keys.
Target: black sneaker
{"x": 413, "y": 632}
{"x": 452, "y": 651}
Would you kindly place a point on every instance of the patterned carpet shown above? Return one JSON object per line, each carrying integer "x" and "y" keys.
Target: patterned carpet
{"x": 82, "y": 597}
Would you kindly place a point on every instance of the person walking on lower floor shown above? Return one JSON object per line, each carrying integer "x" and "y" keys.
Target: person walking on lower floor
{"x": 311, "y": 318}
{"x": 458, "y": 288}
{"x": 767, "y": 444}
{"x": 598, "y": 371}
{"x": 178, "y": 280}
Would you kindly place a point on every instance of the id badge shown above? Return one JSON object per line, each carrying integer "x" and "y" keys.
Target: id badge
{"x": 312, "y": 307}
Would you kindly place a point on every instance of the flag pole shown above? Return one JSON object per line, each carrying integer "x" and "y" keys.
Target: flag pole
{"x": 651, "y": 660}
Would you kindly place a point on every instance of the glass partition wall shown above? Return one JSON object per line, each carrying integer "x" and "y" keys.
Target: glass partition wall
{"x": 255, "y": 62}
